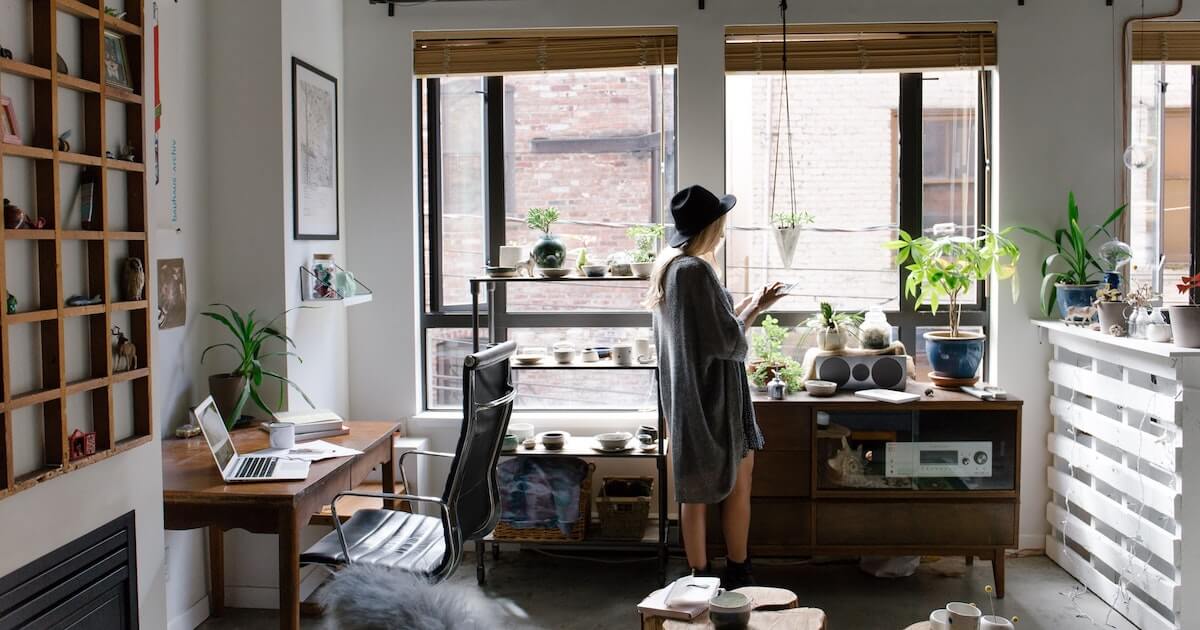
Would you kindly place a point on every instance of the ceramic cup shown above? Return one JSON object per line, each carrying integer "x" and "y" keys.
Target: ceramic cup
{"x": 590, "y": 356}
{"x": 523, "y": 430}
{"x": 564, "y": 356}
{"x": 512, "y": 255}
{"x": 939, "y": 620}
{"x": 963, "y": 616}
{"x": 510, "y": 443}
{"x": 729, "y": 610}
{"x": 282, "y": 434}
{"x": 554, "y": 440}
{"x": 563, "y": 345}
{"x": 993, "y": 622}
{"x": 623, "y": 354}
{"x": 641, "y": 349}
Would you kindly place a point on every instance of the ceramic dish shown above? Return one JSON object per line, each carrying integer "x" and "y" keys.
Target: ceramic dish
{"x": 624, "y": 449}
{"x": 554, "y": 440}
{"x": 595, "y": 271}
{"x": 551, "y": 272}
{"x": 613, "y": 441}
{"x": 642, "y": 270}
{"x": 528, "y": 359}
{"x": 602, "y": 352}
{"x": 502, "y": 272}
{"x": 820, "y": 388}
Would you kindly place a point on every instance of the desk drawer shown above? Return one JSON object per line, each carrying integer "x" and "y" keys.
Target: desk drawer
{"x": 773, "y": 522}
{"x": 782, "y": 473}
{"x": 785, "y": 426}
{"x": 916, "y": 523}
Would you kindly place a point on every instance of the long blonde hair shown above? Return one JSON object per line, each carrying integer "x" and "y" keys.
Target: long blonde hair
{"x": 702, "y": 246}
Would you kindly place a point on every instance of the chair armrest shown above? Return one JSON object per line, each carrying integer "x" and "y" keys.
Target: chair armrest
{"x": 337, "y": 522}
{"x": 400, "y": 462}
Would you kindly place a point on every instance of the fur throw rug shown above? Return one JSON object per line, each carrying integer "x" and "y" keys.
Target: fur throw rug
{"x": 366, "y": 597}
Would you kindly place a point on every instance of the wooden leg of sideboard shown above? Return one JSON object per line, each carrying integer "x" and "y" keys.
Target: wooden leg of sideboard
{"x": 998, "y": 572}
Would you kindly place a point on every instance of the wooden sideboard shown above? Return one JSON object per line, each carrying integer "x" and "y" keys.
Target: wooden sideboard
{"x": 807, "y": 500}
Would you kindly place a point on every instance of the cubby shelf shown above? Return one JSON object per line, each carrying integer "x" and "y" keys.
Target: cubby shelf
{"x": 47, "y": 401}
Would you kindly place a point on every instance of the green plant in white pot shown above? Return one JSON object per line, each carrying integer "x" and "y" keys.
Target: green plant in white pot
{"x": 1113, "y": 311}
{"x": 645, "y": 241}
{"x": 787, "y": 232}
{"x": 943, "y": 270}
{"x": 1185, "y": 318}
{"x": 232, "y": 390}
{"x": 833, "y": 328}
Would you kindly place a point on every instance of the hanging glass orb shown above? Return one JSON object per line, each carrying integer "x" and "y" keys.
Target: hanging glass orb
{"x": 1115, "y": 254}
{"x": 1139, "y": 156}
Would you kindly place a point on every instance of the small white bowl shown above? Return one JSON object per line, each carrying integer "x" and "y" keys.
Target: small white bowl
{"x": 555, "y": 272}
{"x": 523, "y": 430}
{"x": 820, "y": 389}
{"x": 613, "y": 441}
{"x": 564, "y": 357}
{"x": 642, "y": 270}
{"x": 554, "y": 440}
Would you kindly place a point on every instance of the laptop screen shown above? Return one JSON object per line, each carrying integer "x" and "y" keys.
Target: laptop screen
{"x": 217, "y": 436}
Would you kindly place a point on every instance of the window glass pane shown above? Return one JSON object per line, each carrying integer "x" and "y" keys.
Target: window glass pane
{"x": 445, "y": 349}
{"x": 463, "y": 190}
{"x": 592, "y": 145}
{"x": 845, "y": 142}
{"x": 581, "y": 389}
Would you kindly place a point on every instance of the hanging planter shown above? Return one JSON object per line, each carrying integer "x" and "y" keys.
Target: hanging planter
{"x": 787, "y": 223}
{"x": 787, "y": 233}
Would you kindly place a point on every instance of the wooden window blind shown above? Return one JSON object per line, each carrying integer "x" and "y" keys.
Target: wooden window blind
{"x": 1166, "y": 41}
{"x": 830, "y": 47}
{"x": 505, "y": 52}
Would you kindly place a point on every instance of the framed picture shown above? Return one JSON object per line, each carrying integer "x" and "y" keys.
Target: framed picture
{"x": 9, "y": 134}
{"x": 116, "y": 61}
{"x": 314, "y": 154}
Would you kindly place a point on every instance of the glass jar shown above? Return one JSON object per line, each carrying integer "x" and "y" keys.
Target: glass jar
{"x": 324, "y": 271}
{"x": 875, "y": 333}
{"x": 1138, "y": 320}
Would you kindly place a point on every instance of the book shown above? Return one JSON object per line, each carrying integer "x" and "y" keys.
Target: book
{"x": 888, "y": 396}
{"x": 311, "y": 420}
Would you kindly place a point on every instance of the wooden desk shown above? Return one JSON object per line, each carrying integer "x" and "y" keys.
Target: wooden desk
{"x": 194, "y": 496}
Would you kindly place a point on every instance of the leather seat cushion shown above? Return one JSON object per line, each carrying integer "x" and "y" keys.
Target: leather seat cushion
{"x": 400, "y": 540}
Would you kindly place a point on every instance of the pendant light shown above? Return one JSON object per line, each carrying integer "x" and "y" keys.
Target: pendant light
{"x": 1140, "y": 155}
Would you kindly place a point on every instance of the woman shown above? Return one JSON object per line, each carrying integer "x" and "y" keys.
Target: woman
{"x": 705, "y": 394}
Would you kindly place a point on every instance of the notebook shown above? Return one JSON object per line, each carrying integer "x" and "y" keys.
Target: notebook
{"x": 888, "y": 396}
{"x": 310, "y": 420}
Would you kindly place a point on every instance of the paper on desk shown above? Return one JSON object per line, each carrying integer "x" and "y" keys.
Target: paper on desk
{"x": 313, "y": 451}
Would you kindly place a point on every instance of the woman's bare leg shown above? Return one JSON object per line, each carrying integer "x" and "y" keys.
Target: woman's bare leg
{"x": 735, "y": 512}
{"x": 691, "y": 519}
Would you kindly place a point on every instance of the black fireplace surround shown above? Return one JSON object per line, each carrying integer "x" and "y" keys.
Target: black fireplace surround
{"x": 87, "y": 584}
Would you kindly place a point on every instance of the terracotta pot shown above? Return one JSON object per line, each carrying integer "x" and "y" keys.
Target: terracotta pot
{"x": 1113, "y": 320}
{"x": 225, "y": 390}
{"x": 1185, "y": 325}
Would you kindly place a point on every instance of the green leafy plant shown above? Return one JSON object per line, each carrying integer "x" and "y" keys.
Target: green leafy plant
{"x": 249, "y": 337}
{"x": 792, "y": 219}
{"x": 1108, "y": 294}
{"x": 1072, "y": 261}
{"x": 645, "y": 239}
{"x": 1187, "y": 286}
{"x": 767, "y": 345}
{"x": 829, "y": 319}
{"x": 541, "y": 219}
{"x": 944, "y": 269}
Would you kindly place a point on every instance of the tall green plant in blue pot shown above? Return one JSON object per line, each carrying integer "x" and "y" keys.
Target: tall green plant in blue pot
{"x": 549, "y": 251}
{"x": 1071, "y": 275}
{"x": 943, "y": 270}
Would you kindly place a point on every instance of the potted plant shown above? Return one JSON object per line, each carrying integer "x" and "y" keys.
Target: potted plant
{"x": 232, "y": 390}
{"x": 645, "y": 239}
{"x": 767, "y": 345}
{"x": 1114, "y": 254}
{"x": 1112, "y": 309}
{"x": 787, "y": 232}
{"x": 944, "y": 269}
{"x": 549, "y": 251}
{"x": 1185, "y": 318}
{"x": 1069, "y": 274}
{"x": 832, "y": 327}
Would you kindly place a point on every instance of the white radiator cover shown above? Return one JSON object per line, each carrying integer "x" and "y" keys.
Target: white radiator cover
{"x": 1123, "y": 410}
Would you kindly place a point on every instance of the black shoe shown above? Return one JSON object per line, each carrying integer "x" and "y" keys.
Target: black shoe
{"x": 737, "y": 575}
{"x": 707, "y": 571}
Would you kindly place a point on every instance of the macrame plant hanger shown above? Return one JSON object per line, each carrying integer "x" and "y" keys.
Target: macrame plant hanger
{"x": 787, "y": 228}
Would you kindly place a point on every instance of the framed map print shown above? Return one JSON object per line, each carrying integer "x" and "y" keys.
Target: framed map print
{"x": 314, "y": 153}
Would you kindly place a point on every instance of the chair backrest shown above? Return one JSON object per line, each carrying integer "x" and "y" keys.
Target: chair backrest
{"x": 488, "y": 393}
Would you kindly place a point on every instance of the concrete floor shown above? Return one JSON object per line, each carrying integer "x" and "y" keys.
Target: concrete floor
{"x": 574, "y": 594}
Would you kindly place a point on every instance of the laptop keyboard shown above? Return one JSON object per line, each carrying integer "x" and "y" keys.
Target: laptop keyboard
{"x": 256, "y": 467}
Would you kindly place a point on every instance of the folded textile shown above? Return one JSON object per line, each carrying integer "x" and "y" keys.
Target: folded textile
{"x": 541, "y": 491}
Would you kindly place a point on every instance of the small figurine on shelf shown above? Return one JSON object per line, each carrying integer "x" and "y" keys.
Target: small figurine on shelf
{"x": 16, "y": 219}
{"x": 63, "y": 145}
{"x": 62, "y": 65}
{"x": 83, "y": 300}
{"x": 11, "y": 304}
{"x": 134, "y": 276}
{"x": 124, "y": 352}
{"x": 111, "y": 12}
{"x": 5, "y": 53}
{"x": 82, "y": 444}
{"x": 109, "y": 155}
{"x": 125, "y": 152}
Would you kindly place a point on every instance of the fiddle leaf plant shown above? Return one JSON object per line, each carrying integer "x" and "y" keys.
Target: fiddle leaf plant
{"x": 250, "y": 334}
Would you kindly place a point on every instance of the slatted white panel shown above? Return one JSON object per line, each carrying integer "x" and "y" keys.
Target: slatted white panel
{"x": 1123, "y": 410}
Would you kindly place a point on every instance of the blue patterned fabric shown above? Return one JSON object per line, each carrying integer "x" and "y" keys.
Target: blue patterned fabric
{"x": 541, "y": 491}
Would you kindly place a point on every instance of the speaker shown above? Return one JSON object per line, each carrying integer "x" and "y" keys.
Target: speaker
{"x": 864, "y": 372}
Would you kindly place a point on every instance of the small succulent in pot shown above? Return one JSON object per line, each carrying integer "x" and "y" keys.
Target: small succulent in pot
{"x": 1185, "y": 318}
{"x": 787, "y": 232}
{"x": 645, "y": 239}
{"x": 832, "y": 327}
{"x": 549, "y": 251}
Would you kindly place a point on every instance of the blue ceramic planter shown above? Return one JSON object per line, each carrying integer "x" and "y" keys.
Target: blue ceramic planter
{"x": 954, "y": 357}
{"x": 1074, "y": 300}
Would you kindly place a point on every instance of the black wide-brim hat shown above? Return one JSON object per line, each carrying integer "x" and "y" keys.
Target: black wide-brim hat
{"x": 695, "y": 208}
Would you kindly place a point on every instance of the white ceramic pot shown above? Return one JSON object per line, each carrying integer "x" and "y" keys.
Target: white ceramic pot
{"x": 939, "y": 620}
{"x": 831, "y": 340}
{"x": 963, "y": 616}
{"x": 993, "y": 622}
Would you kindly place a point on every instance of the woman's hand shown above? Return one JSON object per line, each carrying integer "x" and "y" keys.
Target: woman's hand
{"x": 763, "y": 299}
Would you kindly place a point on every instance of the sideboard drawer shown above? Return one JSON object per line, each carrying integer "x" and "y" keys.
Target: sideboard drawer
{"x": 785, "y": 427}
{"x": 782, "y": 474}
{"x": 916, "y": 523}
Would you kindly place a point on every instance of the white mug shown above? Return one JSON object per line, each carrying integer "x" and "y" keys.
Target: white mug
{"x": 622, "y": 354}
{"x": 993, "y": 622}
{"x": 282, "y": 434}
{"x": 511, "y": 255}
{"x": 641, "y": 348}
{"x": 939, "y": 620}
{"x": 963, "y": 616}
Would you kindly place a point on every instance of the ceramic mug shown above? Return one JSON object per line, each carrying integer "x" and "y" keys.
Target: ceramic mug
{"x": 564, "y": 356}
{"x": 282, "y": 434}
{"x": 510, "y": 443}
{"x": 939, "y": 620}
{"x": 993, "y": 622}
{"x": 623, "y": 354}
{"x": 963, "y": 616}
{"x": 641, "y": 349}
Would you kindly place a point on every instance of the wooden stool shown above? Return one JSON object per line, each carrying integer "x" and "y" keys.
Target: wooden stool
{"x": 774, "y": 609}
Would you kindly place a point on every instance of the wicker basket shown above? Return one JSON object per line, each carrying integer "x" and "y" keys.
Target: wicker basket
{"x": 505, "y": 531}
{"x": 624, "y": 518}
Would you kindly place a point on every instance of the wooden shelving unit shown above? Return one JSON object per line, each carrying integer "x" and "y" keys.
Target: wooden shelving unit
{"x": 47, "y": 310}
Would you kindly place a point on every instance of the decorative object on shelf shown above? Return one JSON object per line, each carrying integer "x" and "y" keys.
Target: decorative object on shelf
{"x": 619, "y": 264}
{"x": 788, "y": 226}
{"x": 529, "y": 444}
{"x": 1113, "y": 255}
{"x": 510, "y": 443}
{"x": 777, "y": 389}
{"x": 549, "y": 251}
{"x": 523, "y": 430}
{"x": 512, "y": 255}
{"x": 125, "y": 152}
{"x": 646, "y": 239}
{"x": 1073, "y": 287}
{"x": 613, "y": 441}
{"x": 61, "y": 64}
{"x": 5, "y": 53}
{"x": 81, "y": 444}
{"x": 117, "y": 13}
{"x": 124, "y": 352}
{"x": 83, "y": 300}
{"x": 946, "y": 268}
{"x": 595, "y": 271}
{"x": 622, "y": 354}
{"x": 554, "y": 440}
{"x": 564, "y": 353}
{"x": 589, "y": 355}
{"x": 502, "y": 272}
{"x": 10, "y": 304}
{"x": 767, "y": 346}
{"x": 820, "y": 389}
{"x": 344, "y": 283}
{"x": 9, "y": 132}
{"x": 315, "y": 196}
{"x": 875, "y": 333}
{"x": 186, "y": 431}
{"x": 554, "y": 272}
{"x": 323, "y": 269}
{"x": 1141, "y": 301}
{"x": 116, "y": 61}
{"x": 643, "y": 348}
{"x": 832, "y": 327}
{"x": 172, "y": 293}
{"x": 1113, "y": 311}
{"x": 63, "y": 144}
{"x": 1185, "y": 318}
{"x": 16, "y": 219}
{"x": 133, "y": 279}
{"x": 87, "y": 198}
{"x": 231, "y": 391}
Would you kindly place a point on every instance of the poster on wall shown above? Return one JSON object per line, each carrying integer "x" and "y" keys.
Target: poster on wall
{"x": 314, "y": 153}
{"x": 172, "y": 293}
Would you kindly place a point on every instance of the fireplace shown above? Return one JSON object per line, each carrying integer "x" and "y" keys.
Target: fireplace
{"x": 89, "y": 583}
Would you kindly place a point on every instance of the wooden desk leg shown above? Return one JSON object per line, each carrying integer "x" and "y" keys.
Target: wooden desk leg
{"x": 216, "y": 570}
{"x": 998, "y": 572}
{"x": 389, "y": 477}
{"x": 289, "y": 572}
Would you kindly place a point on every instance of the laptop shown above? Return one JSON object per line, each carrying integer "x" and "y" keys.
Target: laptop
{"x": 242, "y": 468}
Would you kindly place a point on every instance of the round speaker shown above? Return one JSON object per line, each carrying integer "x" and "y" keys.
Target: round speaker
{"x": 887, "y": 373}
{"x": 834, "y": 369}
{"x": 860, "y": 372}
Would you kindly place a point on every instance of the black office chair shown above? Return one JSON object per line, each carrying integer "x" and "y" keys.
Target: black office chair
{"x": 424, "y": 545}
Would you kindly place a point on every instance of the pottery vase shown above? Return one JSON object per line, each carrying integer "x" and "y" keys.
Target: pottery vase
{"x": 1113, "y": 318}
{"x": 225, "y": 390}
{"x": 831, "y": 340}
{"x": 1075, "y": 301}
{"x": 954, "y": 357}
{"x": 549, "y": 252}
{"x": 1185, "y": 325}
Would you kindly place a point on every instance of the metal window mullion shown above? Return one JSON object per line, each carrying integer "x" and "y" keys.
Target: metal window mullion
{"x": 910, "y": 115}
{"x": 1195, "y": 175}
{"x": 983, "y": 169}
{"x": 493, "y": 125}
{"x": 433, "y": 157}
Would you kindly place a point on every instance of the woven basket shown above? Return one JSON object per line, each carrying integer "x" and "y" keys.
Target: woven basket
{"x": 623, "y": 518}
{"x": 505, "y": 531}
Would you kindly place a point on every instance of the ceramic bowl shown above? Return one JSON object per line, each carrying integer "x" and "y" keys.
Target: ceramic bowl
{"x": 820, "y": 388}
{"x": 642, "y": 270}
{"x": 564, "y": 356}
{"x": 510, "y": 443}
{"x": 554, "y": 440}
{"x": 555, "y": 272}
{"x": 595, "y": 271}
{"x": 590, "y": 355}
{"x": 502, "y": 272}
{"x": 613, "y": 441}
{"x": 523, "y": 430}
{"x": 528, "y": 359}
{"x": 730, "y": 611}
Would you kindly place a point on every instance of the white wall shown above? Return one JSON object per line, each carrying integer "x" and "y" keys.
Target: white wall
{"x": 1055, "y": 110}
